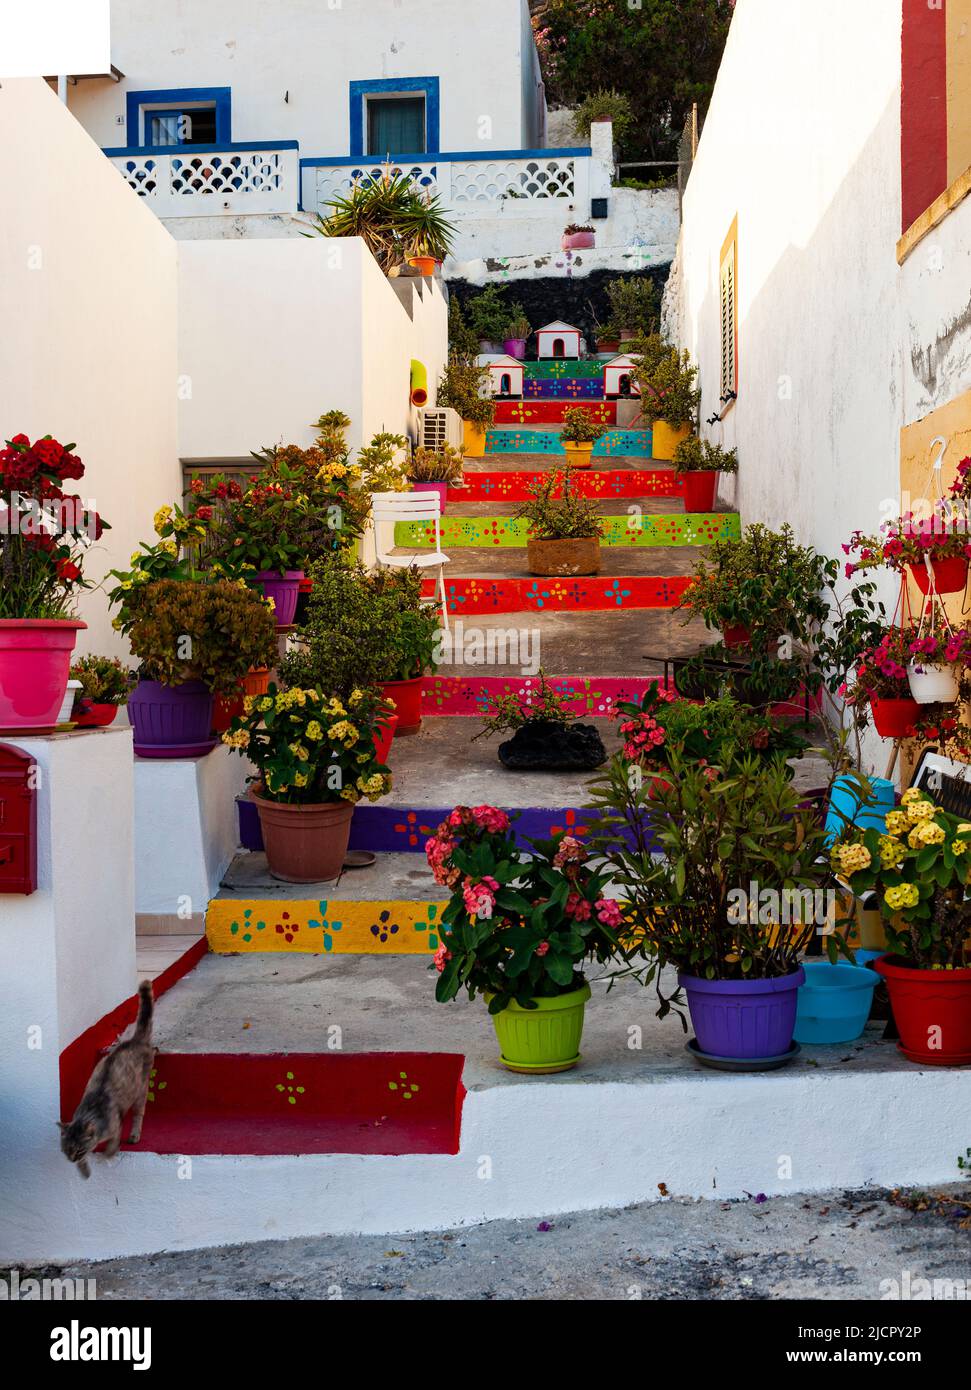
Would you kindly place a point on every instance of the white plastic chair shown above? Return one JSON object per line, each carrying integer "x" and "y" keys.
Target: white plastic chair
{"x": 412, "y": 506}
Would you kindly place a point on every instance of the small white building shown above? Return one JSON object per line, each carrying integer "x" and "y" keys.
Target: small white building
{"x": 506, "y": 375}
{"x": 557, "y": 340}
{"x": 619, "y": 379}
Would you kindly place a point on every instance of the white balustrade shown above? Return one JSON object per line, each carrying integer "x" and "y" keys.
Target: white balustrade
{"x": 193, "y": 184}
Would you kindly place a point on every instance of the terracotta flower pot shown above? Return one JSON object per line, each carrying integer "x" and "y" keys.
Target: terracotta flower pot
{"x": 427, "y": 265}
{"x": 699, "y": 490}
{"x": 567, "y": 557}
{"x": 578, "y": 455}
{"x": 950, "y": 576}
{"x": 407, "y": 702}
{"x": 35, "y": 663}
{"x": 932, "y": 1011}
{"x": 892, "y": 718}
{"x": 226, "y": 708}
{"x": 305, "y": 844}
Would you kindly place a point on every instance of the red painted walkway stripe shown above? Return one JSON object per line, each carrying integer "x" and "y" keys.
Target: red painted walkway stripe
{"x": 592, "y": 696}
{"x": 923, "y": 107}
{"x": 516, "y": 487}
{"x": 541, "y": 412}
{"x": 479, "y": 596}
{"x": 305, "y": 1103}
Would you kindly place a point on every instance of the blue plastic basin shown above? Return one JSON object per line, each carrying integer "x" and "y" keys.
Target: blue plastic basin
{"x": 834, "y": 1003}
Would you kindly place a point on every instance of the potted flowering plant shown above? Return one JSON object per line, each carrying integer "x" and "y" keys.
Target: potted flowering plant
{"x": 577, "y": 237}
{"x": 192, "y": 639}
{"x": 881, "y": 685}
{"x": 919, "y": 871}
{"x": 517, "y": 930}
{"x": 579, "y": 434}
{"x": 545, "y": 733}
{"x": 105, "y": 684}
{"x": 44, "y": 534}
{"x": 436, "y": 470}
{"x": 316, "y": 757}
{"x": 720, "y": 829}
{"x": 698, "y": 464}
{"x": 564, "y": 529}
{"x": 935, "y": 547}
{"x": 939, "y": 659}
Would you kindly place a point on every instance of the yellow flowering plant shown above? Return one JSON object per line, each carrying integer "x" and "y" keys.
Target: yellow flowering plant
{"x": 312, "y": 747}
{"x": 919, "y": 871}
{"x": 172, "y": 556}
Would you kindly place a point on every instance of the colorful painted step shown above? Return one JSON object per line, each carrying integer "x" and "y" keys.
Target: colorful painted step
{"x": 566, "y": 369}
{"x": 469, "y": 595}
{"x": 553, "y": 412}
{"x": 564, "y": 389}
{"x": 595, "y": 482}
{"x": 585, "y": 695}
{"x": 303, "y": 1103}
{"x": 673, "y": 529}
{"x": 615, "y": 443}
{"x": 404, "y": 829}
{"x": 324, "y": 927}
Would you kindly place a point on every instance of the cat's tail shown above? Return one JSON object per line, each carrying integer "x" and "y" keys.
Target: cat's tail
{"x": 146, "y": 1008}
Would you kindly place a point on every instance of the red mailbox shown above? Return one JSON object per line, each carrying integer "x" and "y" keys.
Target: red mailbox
{"x": 18, "y": 821}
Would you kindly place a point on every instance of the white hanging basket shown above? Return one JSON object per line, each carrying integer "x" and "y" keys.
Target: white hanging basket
{"x": 932, "y": 685}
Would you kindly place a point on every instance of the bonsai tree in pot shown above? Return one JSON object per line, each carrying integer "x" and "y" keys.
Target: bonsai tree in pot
{"x": 579, "y": 434}
{"x": 45, "y": 533}
{"x": 564, "y": 529}
{"x": 105, "y": 684}
{"x": 316, "y": 757}
{"x": 192, "y": 639}
{"x": 919, "y": 870}
{"x": 436, "y": 470}
{"x": 698, "y": 464}
{"x": 383, "y": 464}
{"x": 366, "y": 630}
{"x": 670, "y": 396}
{"x": 521, "y": 923}
{"x": 685, "y": 848}
{"x": 464, "y": 386}
{"x": 546, "y": 734}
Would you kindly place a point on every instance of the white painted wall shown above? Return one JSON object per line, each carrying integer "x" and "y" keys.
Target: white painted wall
{"x": 289, "y": 65}
{"x": 274, "y": 332}
{"x": 88, "y": 280}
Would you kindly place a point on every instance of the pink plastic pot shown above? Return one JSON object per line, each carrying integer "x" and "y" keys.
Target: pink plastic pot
{"x": 35, "y": 662}
{"x": 580, "y": 241}
{"x": 515, "y": 347}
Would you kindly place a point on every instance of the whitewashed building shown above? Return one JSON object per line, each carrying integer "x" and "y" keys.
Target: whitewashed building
{"x": 236, "y": 118}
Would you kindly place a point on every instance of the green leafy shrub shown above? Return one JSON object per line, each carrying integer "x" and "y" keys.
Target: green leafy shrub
{"x": 579, "y": 428}
{"x": 556, "y": 513}
{"x": 603, "y": 105}
{"x": 461, "y": 386}
{"x": 442, "y": 465}
{"x": 694, "y": 455}
{"x": 667, "y": 381}
{"x": 104, "y": 680}
{"x": 216, "y": 632}
{"x": 633, "y": 308}
{"x": 490, "y": 315}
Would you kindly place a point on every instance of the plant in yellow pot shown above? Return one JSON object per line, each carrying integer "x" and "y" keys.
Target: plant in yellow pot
{"x": 670, "y": 396}
{"x": 464, "y": 387}
{"x": 579, "y": 435}
{"x": 316, "y": 759}
{"x": 522, "y": 920}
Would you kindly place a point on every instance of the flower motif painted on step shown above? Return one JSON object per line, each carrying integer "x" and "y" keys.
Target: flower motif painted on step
{"x": 384, "y": 928}
{"x": 404, "y": 1088}
{"x": 412, "y": 829}
{"x": 290, "y": 1089}
{"x": 286, "y": 927}
{"x": 616, "y": 593}
{"x": 570, "y": 825}
{"x": 154, "y": 1087}
{"x": 454, "y": 599}
{"x": 431, "y": 912}
{"x": 327, "y": 927}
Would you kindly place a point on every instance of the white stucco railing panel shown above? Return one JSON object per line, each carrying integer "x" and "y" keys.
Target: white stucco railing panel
{"x": 330, "y": 181}
{"x": 202, "y": 182}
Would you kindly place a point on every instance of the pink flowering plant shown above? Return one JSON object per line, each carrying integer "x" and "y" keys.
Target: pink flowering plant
{"x": 938, "y": 645}
{"x": 703, "y": 732}
{"x": 520, "y": 923}
{"x": 910, "y": 539}
{"x": 881, "y": 672}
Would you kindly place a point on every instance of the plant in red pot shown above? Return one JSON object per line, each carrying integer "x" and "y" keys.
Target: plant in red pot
{"x": 934, "y": 549}
{"x": 45, "y": 533}
{"x": 697, "y": 464}
{"x": 881, "y": 688}
{"x": 720, "y": 866}
{"x": 919, "y": 872}
{"x": 316, "y": 760}
{"x": 367, "y": 630}
{"x": 105, "y": 685}
{"x": 193, "y": 639}
{"x": 520, "y": 924}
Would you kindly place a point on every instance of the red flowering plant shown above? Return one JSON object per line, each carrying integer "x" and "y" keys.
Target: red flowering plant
{"x": 909, "y": 540}
{"x": 44, "y": 531}
{"x": 519, "y": 924}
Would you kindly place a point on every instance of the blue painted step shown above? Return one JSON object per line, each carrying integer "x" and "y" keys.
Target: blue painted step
{"x": 613, "y": 444}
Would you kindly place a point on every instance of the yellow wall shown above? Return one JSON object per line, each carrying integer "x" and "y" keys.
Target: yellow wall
{"x": 958, "y": 88}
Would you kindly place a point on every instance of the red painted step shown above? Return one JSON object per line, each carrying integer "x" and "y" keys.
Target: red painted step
{"x": 553, "y": 412}
{"x": 598, "y": 482}
{"x": 468, "y": 595}
{"x": 304, "y": 1103}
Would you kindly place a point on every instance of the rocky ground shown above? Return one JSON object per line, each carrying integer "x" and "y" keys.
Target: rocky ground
{"x": 837, "y": 1246}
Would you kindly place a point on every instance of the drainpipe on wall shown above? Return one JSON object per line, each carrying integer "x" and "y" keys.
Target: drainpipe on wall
{"x": 62, "y": 88}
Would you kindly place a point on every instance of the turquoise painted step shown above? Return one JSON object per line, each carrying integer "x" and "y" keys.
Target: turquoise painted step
{"x": 699, "y": 528}
{"x": 613, "y": 444}
{"x": 576, "y": 371}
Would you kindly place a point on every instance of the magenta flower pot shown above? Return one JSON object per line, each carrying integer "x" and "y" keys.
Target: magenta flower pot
{"x": 440, "y": 488}
{"x": 171, "y": 721}
{"x": 35, "y": 662}
{"x": 515, "y": 347}
{"x": 746, "y": 1020}
{"x": 579, "y": 241}
{"x": 283, "y": 591}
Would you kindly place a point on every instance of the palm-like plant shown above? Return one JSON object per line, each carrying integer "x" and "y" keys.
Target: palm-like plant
{"x": 394, "y": 217}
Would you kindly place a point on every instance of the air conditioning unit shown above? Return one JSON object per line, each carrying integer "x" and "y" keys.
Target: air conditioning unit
{"x": 439, "y": 426}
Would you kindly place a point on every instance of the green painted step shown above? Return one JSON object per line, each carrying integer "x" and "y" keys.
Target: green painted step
{"x": 697, "y": 528}
{"x": 563, "y": 368}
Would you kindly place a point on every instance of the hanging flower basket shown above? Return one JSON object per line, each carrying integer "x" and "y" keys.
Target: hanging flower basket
{"x": 932, "y": 685}
{"x": 893, "y": 718}
{"x": 950, "y": 576}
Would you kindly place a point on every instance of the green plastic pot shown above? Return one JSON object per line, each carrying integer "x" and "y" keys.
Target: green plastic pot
{"x": 544, "y": 1039}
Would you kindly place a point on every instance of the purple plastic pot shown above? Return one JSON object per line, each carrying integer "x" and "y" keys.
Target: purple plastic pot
{"x": 515, "y": 347}
{"x": 173, "y": 719}
{"x": 746, "y": 1019}
{"x": 440, "y": 488}
{"x": 283, "y": 591}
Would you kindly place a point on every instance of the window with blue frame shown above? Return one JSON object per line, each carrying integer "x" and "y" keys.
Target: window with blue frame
{"x": 395, "y": 125}
{"x": 165, "y": 117}
{"x": 191, "y": 125}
